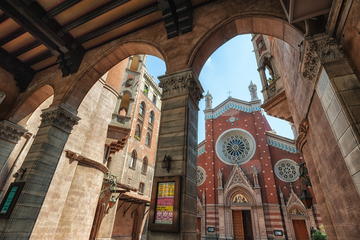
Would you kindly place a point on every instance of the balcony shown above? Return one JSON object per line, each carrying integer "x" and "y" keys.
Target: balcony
{"x": 118, "y": 132}
{"x": 275, "y": 101}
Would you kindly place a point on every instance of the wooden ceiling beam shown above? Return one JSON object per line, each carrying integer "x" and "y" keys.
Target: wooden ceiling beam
{"x": 12, "y": 36}
{"x": 26, "y": 48}
{"x": 93, "y": 14}
{"x": 62, "y": 7}
{"x": 177, "y": 16}
{"x": 118, "y": 23}
{"x": 22, "y": 73}
{"x": 3, "y": 17}
{"x": 38, "y": 58}
{"x": 34, "y": 19}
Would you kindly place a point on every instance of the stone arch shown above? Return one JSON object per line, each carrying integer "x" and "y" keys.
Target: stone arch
{"x": 237, "y": 25}
{"x": 103, "y": 63}
{"x": 30, "y": 102}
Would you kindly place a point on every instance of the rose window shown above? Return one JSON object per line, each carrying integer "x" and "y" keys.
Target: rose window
{"x": 235, "y": 146}
{"x": 200, "y": 175}
{"x": 287, "y": 170}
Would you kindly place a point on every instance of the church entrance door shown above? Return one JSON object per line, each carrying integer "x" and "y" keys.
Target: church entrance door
{"x": 198, "y": 228}
{"x": 300, "y": 230}
{"x": 242, "y": 225}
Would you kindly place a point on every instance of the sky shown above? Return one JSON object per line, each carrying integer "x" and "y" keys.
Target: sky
{"x": 228, "y": 70}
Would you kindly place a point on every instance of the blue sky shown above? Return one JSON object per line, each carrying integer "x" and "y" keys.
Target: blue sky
{"x": 230, "y": 68}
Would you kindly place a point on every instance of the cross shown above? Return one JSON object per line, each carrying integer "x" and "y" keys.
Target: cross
{"x": 229, "y": 92}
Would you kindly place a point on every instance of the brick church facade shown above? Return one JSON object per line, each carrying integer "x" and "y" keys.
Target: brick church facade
{"x": 248, "y": 177}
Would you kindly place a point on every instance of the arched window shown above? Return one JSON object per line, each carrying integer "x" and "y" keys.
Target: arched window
{"x": 133, "y": 160}
{"x": 138, "y": 132}
{"x": 145, "y": 165}
{"x": 152, "y": 117}
{"x": 148, "y": 139}
{"x": 142, "y": 109}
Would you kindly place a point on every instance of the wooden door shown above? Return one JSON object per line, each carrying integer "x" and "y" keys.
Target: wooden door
{"x": 248, "y": 234}
{"x": 300, "y": 230}
{"x": 238, "y": 225}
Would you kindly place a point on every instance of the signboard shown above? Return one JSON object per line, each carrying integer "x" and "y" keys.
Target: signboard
{"x": 164, "y": 207}
{"x": 165, "y": 203}
{"x": 211, "y": 229}
{"x": 278, "y": 233}
{"x": 9, "y": 201}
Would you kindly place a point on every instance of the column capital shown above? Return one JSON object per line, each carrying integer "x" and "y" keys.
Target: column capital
{"x": 62, "y": 117}
{"x": 10, "y": 131}
{"x": 181, "y": 83}
{"x": 317, "y": 50}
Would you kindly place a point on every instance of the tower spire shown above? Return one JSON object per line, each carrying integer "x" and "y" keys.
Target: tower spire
{"x": 208, "y": 101}
{"x": 253, "y": 91}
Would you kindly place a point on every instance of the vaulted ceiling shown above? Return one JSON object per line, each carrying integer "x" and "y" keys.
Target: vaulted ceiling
{"x": 36, "y": 34}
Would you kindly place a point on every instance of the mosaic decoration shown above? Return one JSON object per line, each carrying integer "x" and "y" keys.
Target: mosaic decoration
{"x": 200, "y": 175}
{"x": 287, "y": 170}
{"x": 239, "y": 198}
{"x": 235, "y": 146}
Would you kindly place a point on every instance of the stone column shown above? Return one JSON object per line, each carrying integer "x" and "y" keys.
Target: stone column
{"x": 338, "y": 88}
{"x": 10, "y": 134}
{"x": 39, "y": 166}
{"x": 178, "y": 138}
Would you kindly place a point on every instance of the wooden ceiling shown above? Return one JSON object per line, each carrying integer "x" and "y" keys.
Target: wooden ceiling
{"x": 36, "y": 34}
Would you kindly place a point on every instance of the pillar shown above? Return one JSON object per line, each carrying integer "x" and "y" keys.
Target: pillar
{"x": 10, "y": 134}
{"x": 39, "y": 165}
{"x": 178, "y": 139}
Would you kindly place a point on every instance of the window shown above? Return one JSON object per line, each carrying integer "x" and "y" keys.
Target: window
{"x": 152, "y": 117}
{"x": 146, "y": 89}
{"x": 141, "y": 188}
{"x": 142, "y": 109}
{"x": 148, "y": 139}
{"x": 154, "y": 99}
{"x": 133, "y": 159}
{"x": 137, "y": 132}
{"x": 145, "y": 165}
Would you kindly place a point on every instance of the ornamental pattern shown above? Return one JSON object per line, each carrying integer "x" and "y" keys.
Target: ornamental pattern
{"x": 287, "y": 170}
{"x": 200, "y": 175}
{"x": 235, "y": 146}
{"x": 232, "y": 105}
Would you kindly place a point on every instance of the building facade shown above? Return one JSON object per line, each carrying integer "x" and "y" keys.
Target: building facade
{"x": 248, "y": 177}
{"x": 133, "y": 167}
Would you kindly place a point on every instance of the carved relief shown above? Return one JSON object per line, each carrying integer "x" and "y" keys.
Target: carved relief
{"x": 59, "y": 117}
{"x": 10, "y": 131}
{"x": 181, "y": 83}
{"x": 317, "y": 50}
{"x": 239, "y": 198}
{"x": 310, "y": 64}
{"x": 303, "y": 129}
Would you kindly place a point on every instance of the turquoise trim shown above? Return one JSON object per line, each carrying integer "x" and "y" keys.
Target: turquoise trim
{"x": 282, "y": 146}
{"x": 229, "y": 106}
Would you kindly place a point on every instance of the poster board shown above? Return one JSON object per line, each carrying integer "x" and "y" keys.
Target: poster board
{"x": 10, "y": 199}
{"x": 164, "y": 208}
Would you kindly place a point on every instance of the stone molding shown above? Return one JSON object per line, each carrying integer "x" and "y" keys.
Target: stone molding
{"x": 60, "y": 117}
{"x": 303, "y": 130}
{"x": 86, "y": 161}
{"x": 317, "y": 50}
{"x": 181, "y": 83}
{"x": 10, "y": 131}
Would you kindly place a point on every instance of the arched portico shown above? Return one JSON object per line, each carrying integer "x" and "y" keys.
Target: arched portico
{"x": 228, "y": 18}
